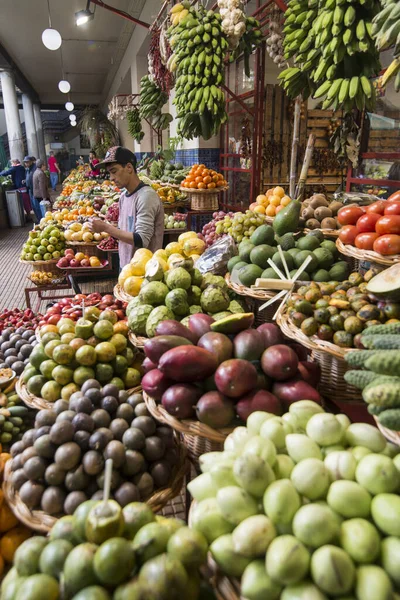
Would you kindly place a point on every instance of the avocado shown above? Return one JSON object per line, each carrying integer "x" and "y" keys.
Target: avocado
{"x": 339, "y": 271}
{"x": 309, "y": 242}
{"x": 329, "y": 245}
{"x": 287, "y": 219}
{"x": 304, "y": 276}
{"x": 260, "y": 254}
{"x": 269, "y": 274}
{"x": 244, "y": 250}
{"x": 263, "y": 235}
{"x": 286, "y": 241}
{"x": 232, "y": 262}
{"x": 248, "y": 274}
{"x": 318, "y": 234}
{"x": 321, "y": 275}
{"x": 301, "y": 257}
{"x": 276, "y": 259}
{"x": 325, "y": 258}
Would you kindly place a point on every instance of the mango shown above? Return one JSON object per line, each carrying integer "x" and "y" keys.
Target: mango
{"x": 333, "y": 570}
{"x": 207, "y": 518}
{"x": 349, "y": 499}
{"x": 390, "y": 558}
{"x": 324, "y": 429}
{"x": 256, "y": 584}
{"x": 283, "y": 466}
{"x": 253, "y": 474}
{"x": 256, "y": 419}
{"x": 377, "y": 474}
{"x": 311, "y": 478}
{"x": 261, "y": 447}
{"x": 303, "y": 410}
{"x": 385, "y": 510}
{"x": 299, "y": 447}
{"x": 287, "y": 560}
{"x": 372, "y": 583}
{"x": 202, "y": 487}
{"x": 252, "y": 536}
{"x": 305, "y": 590}
{"x": 361, "y": 540}
{"x": 362, "y": 434}
{"x": 281, "y": 501}
{"x": 229, "y": 561}
{"x": 235, "y": 504}
{"x": 341, "y": 465}
{"x": 315, "y": 525}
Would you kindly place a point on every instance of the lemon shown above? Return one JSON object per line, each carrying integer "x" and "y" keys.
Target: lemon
{"x": 161, "y": 254}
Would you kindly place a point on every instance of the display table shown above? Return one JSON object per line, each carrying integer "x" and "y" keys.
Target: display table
{"x": 40, "y": 289}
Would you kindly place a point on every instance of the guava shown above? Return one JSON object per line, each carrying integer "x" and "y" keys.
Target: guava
{"x": 230, "y": 562}
{"x": 281, "y": 501}
{"x": 236, "y": 504}
{"x": 252, "y": 536}
{"x": 315, "y": 525}
{"x": 311, "y": 478}
{"x": 207, "y": 518}
{"x": 361, "y": 540}
{"x": 333, "y": 570}
{"x": 253, "y": 474}
{"x": 256, "y": 584}
{"x": 287, "y": 560}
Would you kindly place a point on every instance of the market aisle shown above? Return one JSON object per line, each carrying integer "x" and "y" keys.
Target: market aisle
{"x": 13, "y": 274}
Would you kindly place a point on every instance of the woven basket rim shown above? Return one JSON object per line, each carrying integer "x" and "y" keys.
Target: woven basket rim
{"x": 52, "y": 261}
{"x": 120, "y": 294}
{"x": 215, "y": 190}
{"x": 137, "y": 340}
{"x": 43, "y": 522}
{"x": 186, "y": 426}
{"x": 313, "y": 343}
{"x": 390, "y": 434}
{"x": 367, "y": 255}
{"x": 329, "y": 232}
{"x": 246, "y": 291}
{"x": 81, "y": 243}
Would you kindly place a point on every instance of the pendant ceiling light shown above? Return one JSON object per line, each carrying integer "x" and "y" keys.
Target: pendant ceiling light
{"x": 72, "y": 118}
{"x": 73, "y": 123}
{"x": 64, "y": 86}
{"x": 51, "y": 37}
{"x": 69, "y": 106}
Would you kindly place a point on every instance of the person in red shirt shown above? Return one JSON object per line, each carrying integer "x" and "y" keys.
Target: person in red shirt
{"x": 93, "y": 162}
{"x": 54, "y": 171}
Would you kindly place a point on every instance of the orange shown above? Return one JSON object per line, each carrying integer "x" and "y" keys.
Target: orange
{"x": 269, "y": 193}
{"x": 211, "y": 185}
{"x": 193, "y": 185}
{"x": 285, "y": 201}
{"x": 259, "y": 208}
{"x": 261, "y": 199}
{"x": 201, "y": 185}
{"x": 279, "y": 191}
{"x": 270, "y": 211}
{"x": 275, "y": 200}
{"x": 199, "y": 179}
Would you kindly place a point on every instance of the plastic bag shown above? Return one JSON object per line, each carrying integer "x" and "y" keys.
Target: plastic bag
{"x": 355, "y": 198}
{"x": 216, "y": 257}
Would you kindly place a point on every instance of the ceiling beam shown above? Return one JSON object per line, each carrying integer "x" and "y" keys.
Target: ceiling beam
{"x": 20, "y": 80}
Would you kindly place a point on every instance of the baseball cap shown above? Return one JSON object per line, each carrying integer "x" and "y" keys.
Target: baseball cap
{"x": 118, "y": 154}
{"x": 27, "y": 159}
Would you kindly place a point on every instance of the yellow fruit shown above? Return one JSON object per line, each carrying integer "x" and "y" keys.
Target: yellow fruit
{"x": 186, "y": 236}
{"x": 269, "y": 192}
{"x": 125, "y": 273}
{"x": 68, "y": 235}
{"x": 87, "y": 237}
{"x": 194, "y": 246}
{"x": 143, "y": 252}
{"x": 161, "y": 254}
{"x": 79, "y": 256}
{"x": 138, "y": 265}
{"x": 163, "y": 263}
{"x": 174, "y": 258}
{"x": 261, "y": 199}
{"x": 77, "y": 236}
{"x": 173, "y": 248}
{"x": 132, "y": 285}
{"x": 259, "y": 209}
{"x": 94, "y": 261}
{"x": 285, "y": 201}
{"x": 270, "y": 210}
{"x": 275, "y": 200}
{"x": 195, "y": 257}
{"x": 279, "y": 191}
{"x": 12, "y": 540}
{"x": 75, "y": 227}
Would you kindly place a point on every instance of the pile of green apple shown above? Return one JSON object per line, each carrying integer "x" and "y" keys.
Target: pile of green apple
{"x": 45, "y": 244}
{"x": 74, "y": 352}
{"x": 303, "y": 507}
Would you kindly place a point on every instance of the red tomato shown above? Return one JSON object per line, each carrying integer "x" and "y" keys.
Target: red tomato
{"x": 348, "y": 215}
{"x": 377, "y": 207}
{"x": 394, "y": 197}
{"x": 365, "y": 241}
{"x": 348, "y": 234}
{"x": 387, "y": 245}
{"x": 393, "y": 208}
{"x": 388, "y": 224}
{"x": 367, "y": 222}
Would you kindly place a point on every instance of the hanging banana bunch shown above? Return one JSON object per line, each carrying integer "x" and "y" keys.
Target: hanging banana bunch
{"x": 152, "y": 99}
{"x": 199, "y": 47}
{"x": 134, "y": 124}
{"x": 386, "y": 32}
{"x": 333, "y": 52}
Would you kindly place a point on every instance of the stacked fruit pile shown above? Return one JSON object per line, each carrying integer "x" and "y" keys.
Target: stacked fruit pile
{"x": 79, "y": 232}
{"x": 72, "y": 352}
{"x": 209, "y": 231}
{"x": 15, "y": 419}
{"x": 138, "y": 272}
{"x": 317, "y": 212}
{"x": 78, "y": 260}
{"x": 72, "y": 308}
{"x": 103, "y": 551}
{"x": 340, "y": 312}
{"x": 198, "y": 371}
{"x": 199, "y": 47}
{"x": 16, "y": 345}
{"x": 12, "y": 533}
{"x": 201, "y": 178}
{"x": 375, "y": 227}
{"x": 175, "y": 221}
{"x": 108, "y": 244}
{"x": 169, "y": 195}
{"x": 303, "y": 506}
{"x": 16, "y": 317}
{"x": 254, "y": 253}
{"x": 60, "y": 463}
{"x": 271, "y": 202}
{"x": 45, "y": 244}
{"x": 45, "y": 277}
{"x": 167, "y": 172}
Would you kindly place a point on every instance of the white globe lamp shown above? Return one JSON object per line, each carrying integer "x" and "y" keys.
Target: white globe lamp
{"x": 51, "y": 39}
{"x": 69, "y": 106}
{"x": 73, "y": 123}
{"x": 72, "y": 117}
{"x": 64, "y": 86}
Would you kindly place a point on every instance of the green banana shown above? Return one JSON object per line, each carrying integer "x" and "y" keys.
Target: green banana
{"x": 344, "y": 90}
{"x": 349, "y": 16}
{"x": 353, "y": 89}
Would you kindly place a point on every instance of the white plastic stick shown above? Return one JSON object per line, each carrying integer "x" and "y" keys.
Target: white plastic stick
{"x": 275, "y": 268}
{"x": 274, "y": 299}
{"x": 301, "y": 268}
{"x": 83, "y": 308}
{"x": 107, "y": 481}
{"x": 284, "y": 262}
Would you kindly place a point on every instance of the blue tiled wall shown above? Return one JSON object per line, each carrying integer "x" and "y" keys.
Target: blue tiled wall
{"x": 205, "y": 156}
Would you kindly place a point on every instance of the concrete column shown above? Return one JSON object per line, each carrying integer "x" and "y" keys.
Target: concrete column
{"x": 30, "y": 128}
{"x": 14, "y": 130}
{"x": 39, "y": 132}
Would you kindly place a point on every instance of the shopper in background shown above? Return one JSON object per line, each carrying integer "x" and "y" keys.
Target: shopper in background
{"x": 94, "y": 162}
{"x": 17, "y": 172}
{"x": 40, "y": 188}
{"x": 80, "y": 162}
{"x": 141, "y": 214}
{"x": 30, "y": 168}
{"x": 54, "y": 171}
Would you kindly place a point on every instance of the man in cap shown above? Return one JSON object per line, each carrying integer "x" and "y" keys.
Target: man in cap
{"x": 30, "y": 168}
{"x": 141, "y": 214}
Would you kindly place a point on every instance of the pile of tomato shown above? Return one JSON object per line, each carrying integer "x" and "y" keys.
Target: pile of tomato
{"x": 375, "y": 227}
{"x": 201, "y": 178}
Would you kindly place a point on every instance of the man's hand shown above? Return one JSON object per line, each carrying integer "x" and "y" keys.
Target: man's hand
{"x": 97, "y": 225}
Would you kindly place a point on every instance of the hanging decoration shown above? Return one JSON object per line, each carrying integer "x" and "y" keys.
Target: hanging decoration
{"x": 158, "y": 72}
{"x": 274, "y": 40}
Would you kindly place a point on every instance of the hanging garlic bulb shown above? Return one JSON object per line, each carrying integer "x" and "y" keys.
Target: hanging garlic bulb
{"x": 275, "y": 43}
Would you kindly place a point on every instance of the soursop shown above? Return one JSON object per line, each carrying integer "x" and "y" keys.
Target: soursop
{"x": 217, "y": 280}
{"x": 153, "y": 293}
{"x": 194, "y": 294}
{"x": 195, "y": 309}
{"x": 138, "y": 318}
{"x": 214, "y": 299}
{"x": 177, "y": 301}
{"x": 132, "y": 303}
{"x": 178, "y": 278}
{"x": 158, "y": 314}
{"x": 197, "y": 277}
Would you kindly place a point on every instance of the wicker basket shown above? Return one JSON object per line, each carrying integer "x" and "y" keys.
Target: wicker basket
{"x": 29, "y": 399}
{"x": 197, "y": 437}
{"x": 49, "y": 266}
{"x": 367, "y": 255}
{"x": 137, "y": 340}
{"x": 256, "y": 299}
{"x": 203, "y": 199}
{"x": 330, "y": 358}
{"x": 121, "y": 295}
{"x": 390, "y": 434}
{"x": 39, "y": 520}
